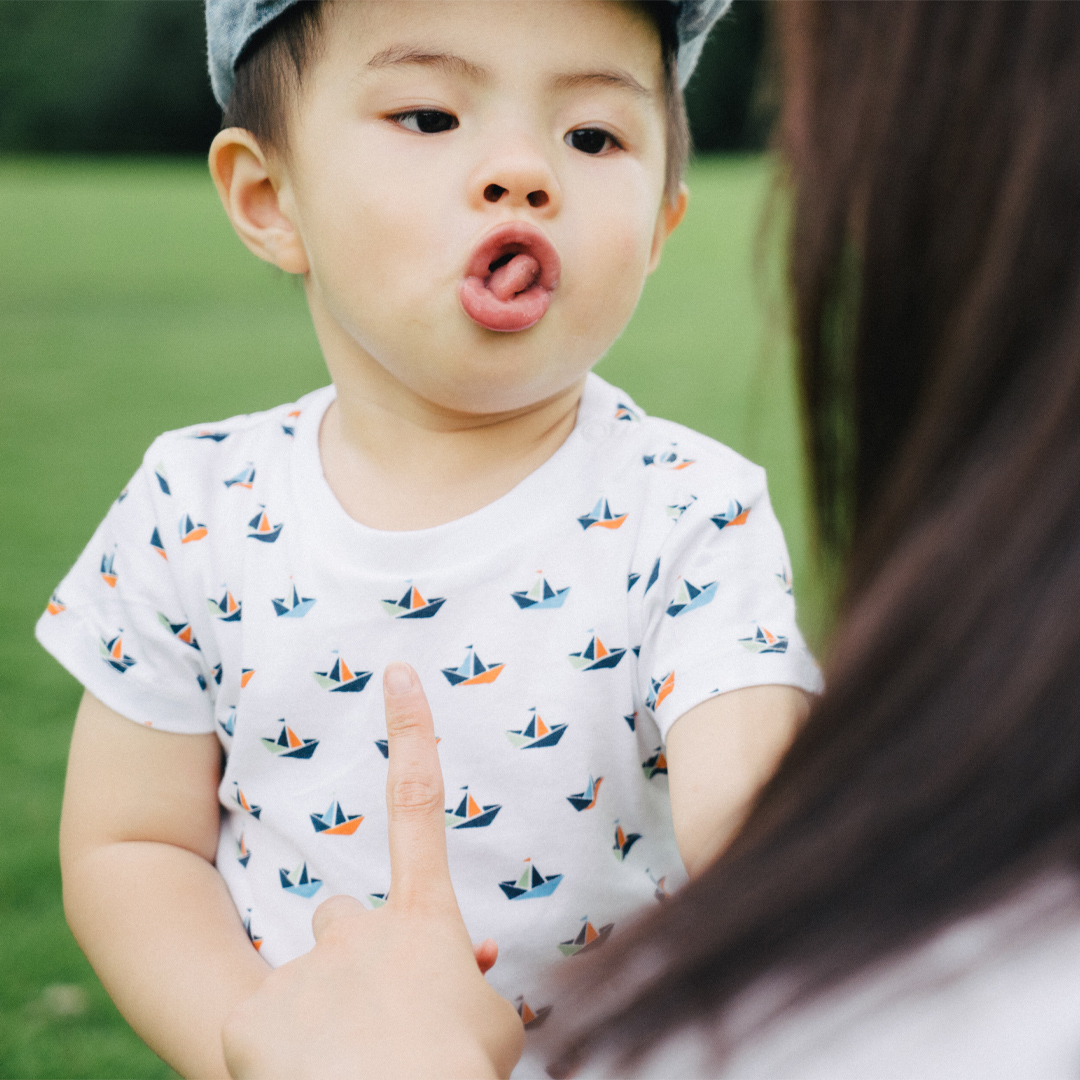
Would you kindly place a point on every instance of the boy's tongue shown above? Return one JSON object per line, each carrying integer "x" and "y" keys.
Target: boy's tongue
{"x": 509, "y": 278}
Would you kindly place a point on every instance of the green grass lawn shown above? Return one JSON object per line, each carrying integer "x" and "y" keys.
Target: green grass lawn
{"x": 128, "y": 307}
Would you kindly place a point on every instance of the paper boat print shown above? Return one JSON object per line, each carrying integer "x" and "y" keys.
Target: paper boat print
{"x": 227, "y": 609}
{"x": 293, "y": 607}
{"x": 541, "y": 596}
{"x": 631, "y": 580}
{"x": 211, "y": 436}
{"x": 289, "y": 744}
{"x": 341, "y": 679}
{"x": 536, "y": 734}
{"x": 55, "y": 605}
{"x": 290, "y": 429}
{"x": 586, "y": 800}
{"x": 252, "y": 936}
{"x": 784, "y": 577}
{"x": 596, "y": 656}
{"x": 733, "y": 515}
{"x": 190, "y": 531}
{"x": 335, "y": 822}
{"x": 298, "y": 882}
{"x": 625, "y": 412}
{"x": 242, "y": 802}
{"x": 531, "y": 1018}
{"x": 691, "y": 597}
{"x": 162, "y": 479}
{"x": 530, "y": 885}
{"x": 655, "y": 764}
{"x": 631, "y": 720}
{"x": 244, "y": 478}
{"x": 654, "y": 576}
{"x": 243, "y": 852}
{"x": 676, "y": 510}
{"x": 245, "y": 676}
{"x": 472, "y": 671}
{"x": 623, "y": 842}
{"x": 216, "y": 672}
{"x": 659, "y": 887}
{"x": 112, "y": 652}
{"x": 660, "y": 689}
{"x": 180, "y": 630}
{"x": 469, "y": 814}
{"x": 668, "y": 459}
{"x": 259, "y": 528}
{"x": 383, "y": 747}
{"x": 108, "y": 573}
{"x": 587, "y": 937}
{"x": 228, "y": 725}
{"x": 157, "y": 545}
{"x": 764, "y": 641}
{"x": 377, "y": 899}
{"x": 601, "y": 517}
{"x": 412, "y": 605}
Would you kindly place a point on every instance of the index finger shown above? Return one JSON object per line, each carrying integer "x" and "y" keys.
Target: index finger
{"x": 414, "y": 793}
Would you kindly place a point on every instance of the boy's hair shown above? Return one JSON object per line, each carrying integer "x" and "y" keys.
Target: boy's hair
{"x": 270, "y": 73}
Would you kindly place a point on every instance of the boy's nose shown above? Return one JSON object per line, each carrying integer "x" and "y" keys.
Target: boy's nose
{"x": 517, "y": 181}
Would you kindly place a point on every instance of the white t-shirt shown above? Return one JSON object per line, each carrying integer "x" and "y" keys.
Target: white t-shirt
{"x": 558, "y": 632}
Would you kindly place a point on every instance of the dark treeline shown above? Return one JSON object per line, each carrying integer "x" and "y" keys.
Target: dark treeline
{"x": 129, "y": 76}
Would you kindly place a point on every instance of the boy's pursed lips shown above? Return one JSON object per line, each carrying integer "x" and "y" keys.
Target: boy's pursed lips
{"x": 509, "y": 278}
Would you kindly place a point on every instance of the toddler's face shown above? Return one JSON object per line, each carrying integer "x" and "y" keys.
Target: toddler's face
{"x": 479, "y": 190}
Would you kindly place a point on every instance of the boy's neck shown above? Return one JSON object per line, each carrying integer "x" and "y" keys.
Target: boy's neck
{"x": 397, "y": 462}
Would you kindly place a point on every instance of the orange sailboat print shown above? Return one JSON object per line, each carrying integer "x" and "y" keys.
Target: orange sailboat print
{"x": 55, "y": 605}
{"x": 254, "y": 938}
{"x": 601, "y": 517}
{"x": 108, "y": 571}
{"x": 245, "y": 676}
{"x": 227, "y": 609}
{"x": 243, "y": 852}
{"x": 469, "y": 814}
{"x": 412, "y": 605}
{"x": 764, "y": 641}
{"x": 259, "y": 528}
{"x": 180, "y": 630}
{"x": 536, "y": 734}
{"x": 623, "y": 842}
{"x": 335, "y": 822}
{"x": 290, "y": 429}
{"x": 529, "y": 1018}
{"x": 668, "y": 459}
{"x": 625, "y": 412}
{"x": 112, "y": 652}
{"x": 659, "y": 887}
{"x": 655, "y": 764}
{"x": 244, "y": 478}
{"x": 190, "y": 531}
{"x": 211, "y": 436}
{"x": 734, "y": 514}
{"x": 660, "y": 689}
{"x": 472, "y": 671}
{"x": 289, "y": 744}
{"x": 157, "y": 545}
{"x": 586, "y": 800}
{"x": 341, "y": 679}
{"x": 587, "y": 937}
{"x": 530, "y": 884}
{"x": 242, "y": 802}
{"x": 596, "y": 656}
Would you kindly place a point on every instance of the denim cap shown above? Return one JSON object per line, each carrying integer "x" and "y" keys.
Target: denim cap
{"x": 231, "y": 24}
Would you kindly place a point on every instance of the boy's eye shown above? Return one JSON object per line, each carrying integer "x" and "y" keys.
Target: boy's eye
{"x": 590, "y": 140}
{"x": 426, "y": 121}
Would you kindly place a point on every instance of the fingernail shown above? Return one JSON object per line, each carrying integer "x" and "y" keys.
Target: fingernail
{"x": 398, "y": 678}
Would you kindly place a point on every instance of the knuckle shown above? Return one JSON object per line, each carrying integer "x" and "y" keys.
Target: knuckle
{"x": 414, "y": 796}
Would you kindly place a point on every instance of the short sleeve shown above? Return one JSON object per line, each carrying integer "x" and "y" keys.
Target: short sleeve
{"x": 718, "y": 612}
{"x": 117, "y": 621}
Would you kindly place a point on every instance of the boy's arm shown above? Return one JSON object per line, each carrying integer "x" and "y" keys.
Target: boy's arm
{"x": 719, "y": 754}
{"x": 138, "y": 835}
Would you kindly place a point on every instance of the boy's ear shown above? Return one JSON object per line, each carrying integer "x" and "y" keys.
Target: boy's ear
{"x": 256, "y": 200}
{"x": 667, "y": 221}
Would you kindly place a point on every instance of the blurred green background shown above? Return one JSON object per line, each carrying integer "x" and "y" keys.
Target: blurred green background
{"x": 127, "y": 307}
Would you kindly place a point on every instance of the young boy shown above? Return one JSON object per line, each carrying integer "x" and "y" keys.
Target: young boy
{"x": 597, "y": 602}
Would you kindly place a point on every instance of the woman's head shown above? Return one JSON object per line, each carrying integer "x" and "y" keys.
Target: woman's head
{"x": 934, "y": 158}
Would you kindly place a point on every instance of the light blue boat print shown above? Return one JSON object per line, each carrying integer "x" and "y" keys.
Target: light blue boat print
{"x": 601, "y": 517}
{"x": 530, "y": 884}
{"x": 294, "y": 606}
{"x": 472, "y": 671}
{"x": 228, "y": 725}
{"x": 669, "y": 458}
{"x": 734, "y": 514}
{"x": 690, "y": 597}
{"x": 586, "y": 800}
{"x": 245, "y": 478}
{"x": 540, "y": 596}
{"x": 299, "y": 882}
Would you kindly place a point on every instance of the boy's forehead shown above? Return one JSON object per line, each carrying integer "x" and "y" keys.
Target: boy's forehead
{"x": 562, "y": 43}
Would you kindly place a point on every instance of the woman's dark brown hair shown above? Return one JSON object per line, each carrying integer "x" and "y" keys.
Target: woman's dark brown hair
{"x": 934, "y": 159}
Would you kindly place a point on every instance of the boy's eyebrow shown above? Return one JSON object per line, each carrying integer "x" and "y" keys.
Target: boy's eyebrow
{"x": 608, "y": 77}
{"x": 405, "y": 54}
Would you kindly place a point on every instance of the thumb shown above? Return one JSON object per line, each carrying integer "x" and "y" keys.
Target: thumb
{"x": 419, "y": 872}
{"x": 334, "y": 909}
